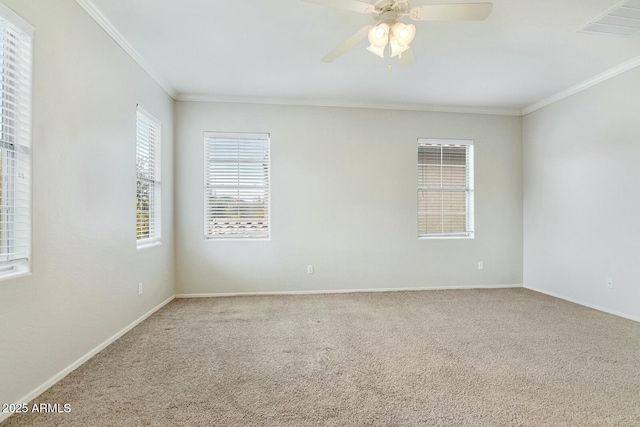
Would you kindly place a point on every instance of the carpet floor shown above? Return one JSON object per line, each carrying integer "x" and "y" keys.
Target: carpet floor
{"x": 508, "y": 357}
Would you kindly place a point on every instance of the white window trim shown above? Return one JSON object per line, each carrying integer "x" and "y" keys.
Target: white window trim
{"x": 155, "y": 240}
{"x": 235, "y": 238}
{"x": 469, "y": 235}
{"x": 16, "y": 20}
{"x": 20, "y": 267}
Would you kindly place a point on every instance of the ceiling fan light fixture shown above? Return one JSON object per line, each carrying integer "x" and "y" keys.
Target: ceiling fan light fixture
{"x": 379, "y": 35}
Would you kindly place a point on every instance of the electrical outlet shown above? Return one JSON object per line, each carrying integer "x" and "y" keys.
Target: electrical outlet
{"x": 610, "y": 282}
{"x": 139, "y": 288}
{"x": 166, "y": 276}
{"x": 480, "y": 265}
{"x": 309, "y": 269}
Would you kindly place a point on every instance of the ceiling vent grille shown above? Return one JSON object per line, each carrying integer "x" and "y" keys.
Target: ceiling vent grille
{"x": 622, "y": 20}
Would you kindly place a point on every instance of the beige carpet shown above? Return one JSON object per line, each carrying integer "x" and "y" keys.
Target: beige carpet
{"x": 437, "y": 358}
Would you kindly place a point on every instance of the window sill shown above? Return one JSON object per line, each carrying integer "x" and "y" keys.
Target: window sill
{"x": 446, "y": 237}
{"x": 237, "y": 239}
{"x": 14, "y": 275}
{"x": 145, "y": 244}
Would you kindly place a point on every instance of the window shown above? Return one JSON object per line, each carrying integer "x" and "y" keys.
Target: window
{"x": 16, "y": 41}
{"x": 236, "y": 185}
{"x": 445, "y": 188}
{"x": 148, "y": 188}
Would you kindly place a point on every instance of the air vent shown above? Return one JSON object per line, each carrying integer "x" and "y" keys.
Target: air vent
{"x": 622, "y": 20}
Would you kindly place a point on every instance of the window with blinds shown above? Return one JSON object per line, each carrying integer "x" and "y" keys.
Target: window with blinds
{"x": 148, "y": 187}
{"x": 236, "y": 185}
{"x": 16, "y": 41}
{"x": 445, "y": 188}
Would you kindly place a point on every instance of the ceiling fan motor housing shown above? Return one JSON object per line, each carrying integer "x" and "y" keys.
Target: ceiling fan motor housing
{"x": 390, "y": 11}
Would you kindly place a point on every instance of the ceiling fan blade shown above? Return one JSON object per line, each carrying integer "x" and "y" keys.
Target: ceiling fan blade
{"x": 347, "y": 44}
{"x": 351, "y": 5}
{"x": 408, "y": 58}
{"x": 451, "y": 12}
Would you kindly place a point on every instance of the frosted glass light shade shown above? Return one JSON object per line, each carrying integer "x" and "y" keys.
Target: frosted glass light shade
{"x": 396, "y": 49}
{"x": 379, "y": 51}
{"x": 403, "y": 33}
{"x": 379, "y": 35}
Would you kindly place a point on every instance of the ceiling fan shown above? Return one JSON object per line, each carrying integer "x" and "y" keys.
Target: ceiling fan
{"x": 389, "y": 32}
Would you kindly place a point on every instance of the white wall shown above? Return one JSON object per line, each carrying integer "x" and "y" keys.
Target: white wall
{"x": 344, "y": 200}
{"x": 581, "y": 207}
{"x": 85, "y": 265}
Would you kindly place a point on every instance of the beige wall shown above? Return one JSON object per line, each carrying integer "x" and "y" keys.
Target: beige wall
{"x": 581, "y": 224}
{"x": 85, "y": 268}
{"x": 344, "y": 199}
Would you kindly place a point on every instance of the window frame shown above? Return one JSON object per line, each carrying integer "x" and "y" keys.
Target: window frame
{"x": 155, "y": 210}
{"x": 260, "y": 136}
{"x": 469, "y": 188}
{"x": 16, "y": 153}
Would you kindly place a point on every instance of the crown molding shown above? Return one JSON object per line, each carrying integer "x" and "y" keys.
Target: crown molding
{"x": 312, "y": 102}
{"x": 106, "y": 25}
{"x": 619, "y": 69}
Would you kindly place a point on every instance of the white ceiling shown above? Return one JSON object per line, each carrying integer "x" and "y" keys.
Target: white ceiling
{"x": 526, "y": 51}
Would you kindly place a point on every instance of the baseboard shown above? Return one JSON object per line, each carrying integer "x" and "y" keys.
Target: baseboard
{"x": 66, "y": 371}
{"x": 585, "y": 304}
{"x": 343, "y": 291}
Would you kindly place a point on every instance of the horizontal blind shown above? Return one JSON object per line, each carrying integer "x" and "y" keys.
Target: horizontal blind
{"x": 15, "y": 141}
{"x": 445, "y": 188}
{"x": 236, "y": 185}
{"x": 148, "y": 184}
